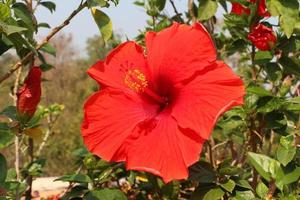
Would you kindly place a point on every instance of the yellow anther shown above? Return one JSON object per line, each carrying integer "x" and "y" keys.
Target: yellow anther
{"x": 136, "y": 80}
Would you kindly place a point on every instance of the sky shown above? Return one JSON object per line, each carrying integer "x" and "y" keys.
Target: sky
{"x": 127, "y": 19}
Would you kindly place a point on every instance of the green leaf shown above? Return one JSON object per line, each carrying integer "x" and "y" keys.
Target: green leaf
{"x": 286, "y": 149}
{"x": 207, "y": 9}
{"x": 77, "y": 178}
{"x": 27, "y": 19}
{"x": 43, "y": 25}
{"x": 244, "y": 184}
{"x": 10, "y": 112}
{"x": 171, "y": 190}
{"x": 288, "y": 24}
{"x": 4, "y": 12}
{"x": 94, "y": 3}
{"x": 290, "y": 65}
{"x": 262, "y": 57}
{"x": 261, "y": 190}
{"x": 288, "y": 12}
{"x": 275, "y": 120}
{"x": 105, "y": 194}
{"x": 160, "y": 4}
{"x": 214, "y": 194}
{"x": 228, "y": 186}
{"x": 6, "y": 136}
{"x": 9, "y": 29}
{"x": 268, "y": 104}
{"x": 3, "y": 169}
{"x": 202, "y": 172}
{"x": 290, "y": 177}
{"x": 259, "y": 91}
{"x": 267, "y": 167}
{"x": 104, "y": 23}
{"x": 274, "y": 72}
{"x": 75, "y": 193}
{"x": 244, "y": 195}
{"x": 35, "y": 168}
{"x": 49, "y": 5}
{"x": 48, "y": 48}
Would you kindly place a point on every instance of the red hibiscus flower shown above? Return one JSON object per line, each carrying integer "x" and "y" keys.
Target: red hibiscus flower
{"x": 262, "y": 37}
{"x": 240, "y": 9}
{"x": 29, "y": 94}
{"x": 156, "y": 110}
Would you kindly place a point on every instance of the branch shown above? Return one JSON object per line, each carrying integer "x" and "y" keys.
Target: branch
{"x": 45, "y": 41}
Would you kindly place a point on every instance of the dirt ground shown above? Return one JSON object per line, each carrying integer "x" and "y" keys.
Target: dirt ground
{"x": 47, "y": 188}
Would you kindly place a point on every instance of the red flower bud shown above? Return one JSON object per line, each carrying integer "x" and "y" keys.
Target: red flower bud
{"x": 29, "y": 94}
{"x": 262, "y": 37}
{"x": 240, "y": 9}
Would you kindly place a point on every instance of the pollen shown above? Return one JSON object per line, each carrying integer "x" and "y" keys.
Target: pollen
{"x": 136, "y": 80}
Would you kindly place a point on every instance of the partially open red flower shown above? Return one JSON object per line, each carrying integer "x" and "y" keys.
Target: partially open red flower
{"x": 263, "y": 37}
{"x": 156, "y": 110}
{"x": 29, "y": 94}
{"x": 240, "y": 9}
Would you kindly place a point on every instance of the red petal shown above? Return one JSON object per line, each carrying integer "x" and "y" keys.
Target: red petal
{"x": 204, "y": 99}
{"x": 112, "y": 71}
{"x": 109, "y": 118}
{"x": 165, "y": 151}
{"x": 29, "y": 95}
{"x": 179, "y": 51}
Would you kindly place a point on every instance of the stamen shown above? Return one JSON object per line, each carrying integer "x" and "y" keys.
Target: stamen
{"x": 137, "y": 81}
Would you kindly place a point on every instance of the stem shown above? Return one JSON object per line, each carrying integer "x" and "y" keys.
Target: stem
{"x": 254, "y": 71}
{"x": 253, "y": 136}
{"x": 154, "y": 22}
{"x": 45, "y": 41}
{"x": 29, "y": 178}
{"x": 234, "y": 154}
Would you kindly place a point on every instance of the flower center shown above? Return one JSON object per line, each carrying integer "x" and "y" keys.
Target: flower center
{"x": 137, "y": 81}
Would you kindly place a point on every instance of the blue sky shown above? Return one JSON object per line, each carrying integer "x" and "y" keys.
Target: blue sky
{"x": 126, "y": 17}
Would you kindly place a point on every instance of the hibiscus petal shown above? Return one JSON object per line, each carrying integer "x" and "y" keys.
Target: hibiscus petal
{"x": 109, "y": 118}
{"x": 201, "y": 101}
{"x": 112, "y": 71}
{"x": 165, "y": 151}
{"x": 178, "y": 51}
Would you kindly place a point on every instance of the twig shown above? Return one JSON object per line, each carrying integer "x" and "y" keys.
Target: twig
{"x": 210, "y": 154}
{"x": 191, "y": 10}
{"x": 218, "y": 145}
{"x": 176, "y": 11}
{"x": 50, "y": 122}
{"x": 272, "y": 188}
{"x": 45, "y": 41}
{"x": 17, "y": 137}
